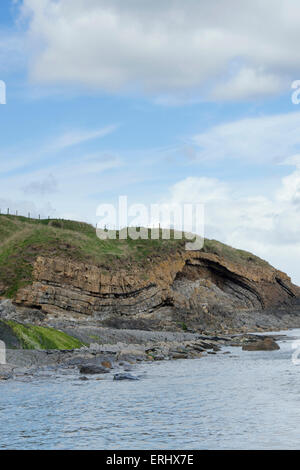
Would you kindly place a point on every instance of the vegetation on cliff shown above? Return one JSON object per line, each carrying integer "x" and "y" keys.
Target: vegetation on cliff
{"x": 22, "y": 240}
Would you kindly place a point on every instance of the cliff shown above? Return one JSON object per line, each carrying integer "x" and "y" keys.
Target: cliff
{"x": 70, "y": 274}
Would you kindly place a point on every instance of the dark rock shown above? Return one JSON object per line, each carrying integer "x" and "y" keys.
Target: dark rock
{"x": 93, "y": 369}
{"x": 205, "y": 345}
{"x": 159, "y": 357}
{"x": 8, "y": 336}
{"x": 123, "y": 376}
{"x": 178, "y": 355}
{"x": 5, "y": 376}
{"x": 267, "y": 344}
{"x": 195, "y": 347}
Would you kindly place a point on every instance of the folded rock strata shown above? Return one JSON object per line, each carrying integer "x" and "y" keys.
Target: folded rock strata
{"x": 192, "y": 286}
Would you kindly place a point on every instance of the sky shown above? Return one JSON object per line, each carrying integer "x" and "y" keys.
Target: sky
{"x": 164, "y": 102}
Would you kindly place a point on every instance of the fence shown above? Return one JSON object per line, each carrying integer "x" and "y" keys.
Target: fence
{"x": 29, "y": 215}
{"x": 16, "y": 213}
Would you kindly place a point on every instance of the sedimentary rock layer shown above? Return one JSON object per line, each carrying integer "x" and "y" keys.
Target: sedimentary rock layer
{"x": 194, "y": 286}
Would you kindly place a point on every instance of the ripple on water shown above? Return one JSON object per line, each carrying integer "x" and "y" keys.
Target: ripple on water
{"x": 240, "y": 400}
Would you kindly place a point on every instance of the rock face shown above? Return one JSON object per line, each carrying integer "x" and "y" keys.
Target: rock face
{"x": 192, "y": 288}
{"x": 267, "y": 344}
{"x": 7, "y": 309}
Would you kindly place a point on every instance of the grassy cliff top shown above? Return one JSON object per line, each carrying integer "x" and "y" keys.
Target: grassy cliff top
{"x": 22, "y": 240}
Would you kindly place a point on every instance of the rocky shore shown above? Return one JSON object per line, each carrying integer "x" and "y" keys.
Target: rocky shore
{"x": 114, "y": 351}
{"x": 120, "y": 358}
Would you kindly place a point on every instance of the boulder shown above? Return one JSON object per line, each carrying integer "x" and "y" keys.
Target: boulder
{"x": 266, "y": 344}
{"x": 93, "y": 369}
{"x": 106, "y": 364}
{"x": 123, "y": 376}
{"x": 159, "y": 357}
{"x": 6, "y": 372}
{"x": 5, "y": 376}
{"x": 178, "y": 355}
{"x": 132, "y": 355}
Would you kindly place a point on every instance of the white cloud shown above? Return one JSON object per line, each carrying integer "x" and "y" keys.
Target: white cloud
{"x": 18, "y": 159}
{"x": 259, "y": 140}
{"x": 78, "y": 137}
{"x": 266, "y": 224}
{"x": 199, "y": 189}
{"x": 290, "y": 190}
{"x": 221, "y": 49}
{"x": 248, "y": 83}
{"x": 13, "y": 51}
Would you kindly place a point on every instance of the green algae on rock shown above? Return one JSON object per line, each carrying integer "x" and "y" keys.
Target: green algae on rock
{"x": 37, "y": 337}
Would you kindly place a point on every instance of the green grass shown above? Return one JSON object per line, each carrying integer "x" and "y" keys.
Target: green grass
{"x": 232, "y": 254}
{"x": 38, "y": 337}
{"x": 22, "y": 240}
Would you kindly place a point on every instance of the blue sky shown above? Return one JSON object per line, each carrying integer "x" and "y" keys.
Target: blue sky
{"x": 164, "y": 102}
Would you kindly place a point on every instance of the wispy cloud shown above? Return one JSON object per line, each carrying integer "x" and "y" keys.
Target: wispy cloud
{"x": 77, "y": 137}
{"x": 20, "y": 159}
{"x": 264, "y": 139}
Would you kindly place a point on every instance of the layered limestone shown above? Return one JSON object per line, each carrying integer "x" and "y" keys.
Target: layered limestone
{"x": 195, "y": 287}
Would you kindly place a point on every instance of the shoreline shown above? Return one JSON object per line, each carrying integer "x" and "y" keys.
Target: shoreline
{"x": 82, "y": 343}
{"x": 120, "y": 358}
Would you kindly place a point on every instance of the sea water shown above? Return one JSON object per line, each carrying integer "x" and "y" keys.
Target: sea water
{"x": 238, "y": 400}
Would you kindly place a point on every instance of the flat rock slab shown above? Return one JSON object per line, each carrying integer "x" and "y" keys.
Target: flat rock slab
{"x": 267, "y": 344}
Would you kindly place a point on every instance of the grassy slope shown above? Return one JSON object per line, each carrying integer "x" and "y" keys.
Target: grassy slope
{"x": 22, "y": 240}
{"x": 232, "y": 254}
